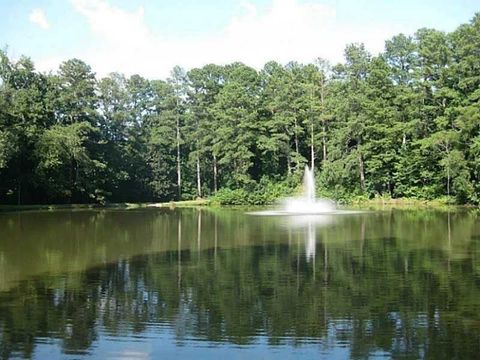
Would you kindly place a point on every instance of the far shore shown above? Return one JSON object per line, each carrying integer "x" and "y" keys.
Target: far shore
{"x": 407, "y": 203}
{"x": 375, "y": 203}
{"x": 169, "y": 204}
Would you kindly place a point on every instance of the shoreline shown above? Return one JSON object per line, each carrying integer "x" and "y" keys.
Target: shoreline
{"x": 407, "y": 202}
{"x": 52, "y": 207}
{"x": 375, "y": 203}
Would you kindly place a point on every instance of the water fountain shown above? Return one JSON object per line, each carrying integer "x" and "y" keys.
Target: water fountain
{"x": 306, "y": 213}
{"x": 307, "y": 203}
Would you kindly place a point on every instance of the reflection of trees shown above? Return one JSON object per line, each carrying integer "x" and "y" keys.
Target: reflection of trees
{"x": 363, "y": 292}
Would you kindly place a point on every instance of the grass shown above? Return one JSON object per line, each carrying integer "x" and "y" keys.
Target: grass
{"x": 360, "y": 202}
{"x": 410, "y": 203}
{"x": 186, "y": 203}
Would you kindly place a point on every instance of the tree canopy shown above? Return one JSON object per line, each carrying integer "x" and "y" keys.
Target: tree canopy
{"x": 403, "y": 123}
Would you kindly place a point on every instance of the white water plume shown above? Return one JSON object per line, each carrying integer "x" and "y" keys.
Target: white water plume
{"x": 307, "y": 204}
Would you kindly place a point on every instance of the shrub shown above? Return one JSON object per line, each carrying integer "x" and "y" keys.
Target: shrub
{"x": 263, "y": 192}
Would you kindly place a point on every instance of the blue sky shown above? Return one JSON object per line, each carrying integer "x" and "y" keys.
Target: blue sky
{"x": 149, "y": 37}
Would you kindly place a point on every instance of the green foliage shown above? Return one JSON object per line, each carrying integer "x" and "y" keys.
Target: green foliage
{"x": 404, "y": 123}
{"x": 7, "y": 147}
{"x": 264, "y": 192}
{"x": 228, "y": 196}
{"x": 62, "y": 155}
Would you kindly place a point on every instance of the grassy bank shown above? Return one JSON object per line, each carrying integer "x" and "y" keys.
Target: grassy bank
{"x": 410, "y": 203}
{"x": 187, "y": 203}
{"x": 357, "y": 202}
{"x": 184, "y": 203}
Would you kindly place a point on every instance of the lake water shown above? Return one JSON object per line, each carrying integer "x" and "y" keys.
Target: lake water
{"x": 213, "y": 283}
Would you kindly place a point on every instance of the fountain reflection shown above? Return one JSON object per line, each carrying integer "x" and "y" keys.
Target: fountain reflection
{"x": 307, "y": 225}
{"x": 310, "y": 242}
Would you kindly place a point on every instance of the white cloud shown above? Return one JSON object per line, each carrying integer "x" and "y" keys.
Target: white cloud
{"x": 114, "y": 25}
{"x": 287, "y": 30}
{"x": 37, "y": 16}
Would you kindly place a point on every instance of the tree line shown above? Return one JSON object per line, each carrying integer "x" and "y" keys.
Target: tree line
{"x": 404, "y": 123}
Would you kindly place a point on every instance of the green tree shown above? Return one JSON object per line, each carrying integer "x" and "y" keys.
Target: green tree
{"x": 67, "y": 145}
{"x": 235, "y": 110}
{"x": 204, "y": 84}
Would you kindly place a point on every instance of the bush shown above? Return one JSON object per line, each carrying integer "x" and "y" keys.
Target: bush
{"x": 227, "y": 196}
{"x": 264, "y": 192}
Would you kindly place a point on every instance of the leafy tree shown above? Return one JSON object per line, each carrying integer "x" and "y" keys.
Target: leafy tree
{"x": 65, "y": 167}
{"x": 204, "y": 84}
{"x": 76, "y": 93}
{"x": 235, "y": 111}
{"x": 164, "y": 142}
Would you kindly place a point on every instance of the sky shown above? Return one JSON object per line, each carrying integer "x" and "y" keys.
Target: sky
{"x": 150, "y": 37}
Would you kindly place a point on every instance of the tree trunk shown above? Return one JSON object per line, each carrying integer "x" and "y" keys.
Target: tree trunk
{"x": 179, "y": 168}
{"x": 296, "y": 137}
{"x": 312, "y": 149}
{"x": 19, "y": 192}
{"x": 324, "y": 143}
{"x": 19, "y": 179}
{"x": 362, "y": 171}
{"x": 289, "y": 167}
{"x": 215, "y": 173}
{"x": 448, "y": 179}
{"x": 199, "y": 184}
{"x": 447, "y": 149}
{"x": 297, "y": 148}
{"x": 324, "y": 126}
{"x": 390, "y": 185}
{"x": 72, "y": 180}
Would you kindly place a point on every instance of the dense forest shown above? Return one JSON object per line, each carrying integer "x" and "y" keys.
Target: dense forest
{"x": 405, "y": 123}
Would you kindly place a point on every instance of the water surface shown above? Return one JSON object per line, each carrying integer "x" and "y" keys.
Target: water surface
{"x": 202, "y": 283}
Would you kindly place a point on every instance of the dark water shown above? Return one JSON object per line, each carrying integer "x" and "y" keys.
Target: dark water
{"x": 193, "y": 284}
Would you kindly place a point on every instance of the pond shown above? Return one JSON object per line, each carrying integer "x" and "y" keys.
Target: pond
{"x": 209, "y": 283}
